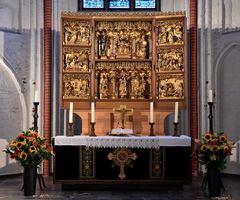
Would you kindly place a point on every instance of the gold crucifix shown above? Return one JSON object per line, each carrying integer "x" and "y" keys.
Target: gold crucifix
{"x": 123, "y": 110}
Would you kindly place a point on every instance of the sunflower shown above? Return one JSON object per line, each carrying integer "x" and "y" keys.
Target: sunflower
{"x": 23, "y": 155}
{"x": 32, "y": 149}
{"x": 19, "y": 145}
{"x": 215, "y": 148}
{"x": 204, "y": 148}
{"x": 207, "y": 137}
{"x": 13, "y": 143}
{"x": 223, "y": 138}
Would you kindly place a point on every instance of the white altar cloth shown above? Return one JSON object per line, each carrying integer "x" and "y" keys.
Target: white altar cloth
{"x": 145, "y": 142}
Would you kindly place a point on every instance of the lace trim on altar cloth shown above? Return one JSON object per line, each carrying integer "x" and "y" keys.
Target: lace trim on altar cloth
{"x": 145, "y": 142}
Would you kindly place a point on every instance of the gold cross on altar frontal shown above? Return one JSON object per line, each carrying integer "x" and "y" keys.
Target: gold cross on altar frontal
{"x": 122, "y": 156}
{"x": 123, "y": 110}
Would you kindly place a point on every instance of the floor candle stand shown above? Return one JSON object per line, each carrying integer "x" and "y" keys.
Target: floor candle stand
{"x": 35, "y": 126}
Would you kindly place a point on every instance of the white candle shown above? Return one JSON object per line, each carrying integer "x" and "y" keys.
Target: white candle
{"x": 70, "y": 120}
{"x": 210, "y": 96}
{"x": 92, "y": 112}
{"x": 36, "y": 96}
{"x": 64, "y": 122}
{"x": 176, "y": 113}
{"x": 151, "y": 112}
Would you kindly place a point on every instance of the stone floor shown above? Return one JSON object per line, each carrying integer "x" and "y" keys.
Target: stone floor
{"x": 10, "y": 189}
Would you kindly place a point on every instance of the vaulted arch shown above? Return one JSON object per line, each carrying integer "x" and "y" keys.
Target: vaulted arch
{"x": 13, "y": 118}
{"x": 227, "y": 88}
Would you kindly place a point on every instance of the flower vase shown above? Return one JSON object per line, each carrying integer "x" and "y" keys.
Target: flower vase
{"x": 214, "y": 182}
{"x": 29, "y": 180}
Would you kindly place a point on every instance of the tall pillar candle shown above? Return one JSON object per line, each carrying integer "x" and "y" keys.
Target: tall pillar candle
{"x": 92, "y": 112}
{"x": 210, "y": 96}
{"x": 176, "y": 113}
{"x": 36, "y": 96}
{"x": 70, "y": 120}
{"x": 64, "y": 122}
{"x": 151, "y": 112}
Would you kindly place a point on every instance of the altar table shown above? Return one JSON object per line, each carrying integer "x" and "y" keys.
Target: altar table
{"x": 122, "y": 162}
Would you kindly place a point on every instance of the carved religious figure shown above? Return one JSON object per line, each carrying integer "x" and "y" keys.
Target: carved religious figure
{"x": 70, "y": 32}
{"x": 142, "y": 86}
{"x": 84, "y": 35}
{"x": 162, "y": 36}
{"x": 178, "y": 33}
{"x": 134, "y": 86}
{"x": 122, "y": 87}
{"x": 142, "y": 46}
{"x": 102, "y": 44}
{"x": 123, "y": 47}
{"x": 69, "y": 89}
{"x": 103, "y": 88}
{"x": 83, "y": 88}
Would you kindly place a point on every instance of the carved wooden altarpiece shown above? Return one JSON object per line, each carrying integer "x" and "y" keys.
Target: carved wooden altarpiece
{"x": 130, "y": 57}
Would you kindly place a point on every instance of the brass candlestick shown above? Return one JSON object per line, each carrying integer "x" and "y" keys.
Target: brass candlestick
{"x": 92, "y": 129}
{"x": 70, "y": 129}
{"x": 151, "y": 129}
{"x": 175, "y": 128}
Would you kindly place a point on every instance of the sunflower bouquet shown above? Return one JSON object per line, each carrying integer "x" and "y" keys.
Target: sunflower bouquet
{"x": 213, "y": 149}
{"x": 29, "y": 149}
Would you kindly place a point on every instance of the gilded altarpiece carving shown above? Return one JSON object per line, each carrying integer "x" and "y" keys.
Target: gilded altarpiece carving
{"x": 170, "y": 63}
{"x": 76, "y": 60}
{"x": 76, "y": 86}
{"x": 123, "y": 80}
{"x": 120, "y": 56}
{"x": 76, "y": 54}
{"x": 76, "y": 32}
{"x": 123, "y": 40}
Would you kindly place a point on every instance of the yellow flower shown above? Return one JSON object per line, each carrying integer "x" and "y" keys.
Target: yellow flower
{"x": 23, "y": 155}
{"x": 214, "y": 148}
{"x": 222, "y": 138}
{"x": 207, "y": 137}
{"x": 13, "y": 143}
{"x": 213, "y": 157}
{"x": 32, "y": 149}
{"x": 204, "y": 147}
{"x": 19, "y": 145}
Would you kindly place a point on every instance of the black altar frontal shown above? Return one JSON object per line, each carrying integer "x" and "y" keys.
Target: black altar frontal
{"x": 105, "y": 162}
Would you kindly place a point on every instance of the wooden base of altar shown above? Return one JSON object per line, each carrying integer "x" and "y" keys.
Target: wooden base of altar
{"x": 84, "y": 168}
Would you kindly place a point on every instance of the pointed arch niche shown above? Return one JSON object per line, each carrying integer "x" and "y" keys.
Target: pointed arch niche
{"x": 227, "y": 88}
{"x": 13, "y": 118}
